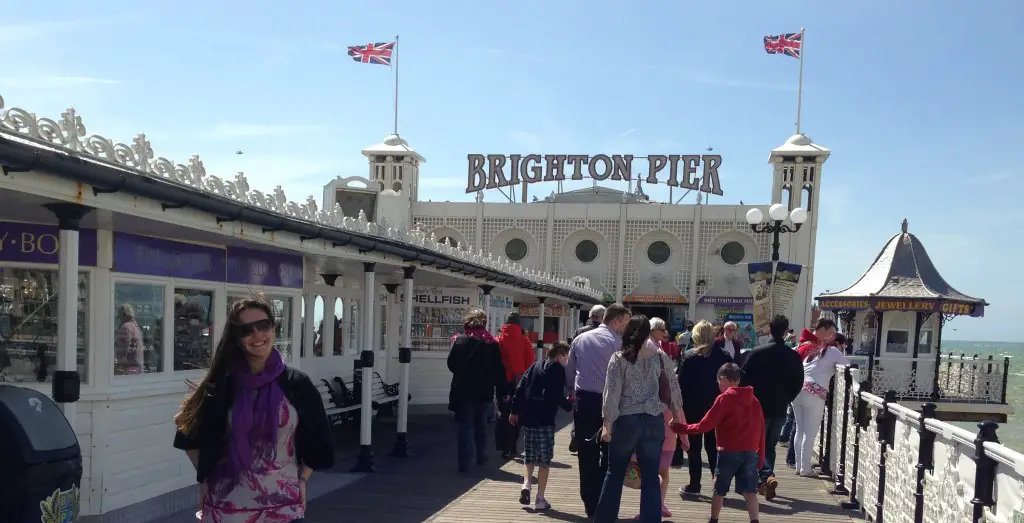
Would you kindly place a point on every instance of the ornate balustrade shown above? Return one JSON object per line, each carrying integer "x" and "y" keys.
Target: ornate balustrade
{"x": 68, "y": 135}
{"x": 960, "y": 378}
{"x": 899, "y": 465}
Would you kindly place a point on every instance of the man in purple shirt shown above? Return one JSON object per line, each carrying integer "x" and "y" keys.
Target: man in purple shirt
{"x": 586, "y": 369}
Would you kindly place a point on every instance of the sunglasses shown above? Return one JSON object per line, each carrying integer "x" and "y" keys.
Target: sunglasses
{"x": 246, "y": 329}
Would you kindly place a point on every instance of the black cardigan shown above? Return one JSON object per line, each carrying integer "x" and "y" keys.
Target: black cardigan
{"x": 314, "y": 444}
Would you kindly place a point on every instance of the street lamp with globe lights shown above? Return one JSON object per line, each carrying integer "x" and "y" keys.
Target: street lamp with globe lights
{"x": 778, "y": 214}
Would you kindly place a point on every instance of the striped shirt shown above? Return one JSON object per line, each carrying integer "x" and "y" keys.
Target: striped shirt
{"x": 588, "y": 359}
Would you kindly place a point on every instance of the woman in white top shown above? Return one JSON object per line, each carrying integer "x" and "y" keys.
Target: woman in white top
{"x": 820, "y": 360}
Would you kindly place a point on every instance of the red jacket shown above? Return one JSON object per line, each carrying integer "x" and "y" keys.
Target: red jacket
{"x": 808, "y": 343}
{"x": 737, "y": 421}
{"x": 516, "y": 351}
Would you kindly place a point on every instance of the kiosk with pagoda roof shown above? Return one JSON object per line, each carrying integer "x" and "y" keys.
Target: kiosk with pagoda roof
{"x": 893, "y": 316}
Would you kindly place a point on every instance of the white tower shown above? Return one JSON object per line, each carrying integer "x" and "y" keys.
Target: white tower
{"x": 797, "y": 166}
{"x": 395, "y": 168}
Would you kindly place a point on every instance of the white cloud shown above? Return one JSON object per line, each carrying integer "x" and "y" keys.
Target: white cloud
{"x": 627, "y": 133}
{"x": 237, "y": 130}
{"x": 53, "y": 82}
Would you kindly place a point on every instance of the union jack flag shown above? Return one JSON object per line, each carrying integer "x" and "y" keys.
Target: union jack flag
{"x": 788, "y": 44}
{"x": 378, "y": 53}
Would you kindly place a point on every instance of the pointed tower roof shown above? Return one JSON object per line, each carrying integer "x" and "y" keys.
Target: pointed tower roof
{"x": 799, "y": 145}
{"x": 393, "y": 145}
{"x": 903, "y": 277}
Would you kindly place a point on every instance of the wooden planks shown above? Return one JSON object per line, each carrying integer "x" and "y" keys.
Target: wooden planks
{"x": 427, "y": 488}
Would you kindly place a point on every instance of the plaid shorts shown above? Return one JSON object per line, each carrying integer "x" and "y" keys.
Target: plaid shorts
{"x": 540, "y": 445}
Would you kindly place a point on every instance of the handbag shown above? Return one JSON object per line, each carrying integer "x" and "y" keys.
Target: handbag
{"x": 632, "y": 478}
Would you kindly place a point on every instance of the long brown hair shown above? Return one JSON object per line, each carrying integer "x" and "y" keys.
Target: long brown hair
{"x": 635, "y": 336}
{"x": 228, "y": 354}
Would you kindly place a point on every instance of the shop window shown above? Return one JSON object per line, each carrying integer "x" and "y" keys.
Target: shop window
{"x": 586, "y": 251}
{"x": 897, "y": 338}
{"x": 516, "y": 249}
{"x": 282, "y": 309}
{"x": 924, "y": 344}
{"x": 338, "y": 325}
{"x": 659, "y": 252}
{"x": 732, "y": 253}
{"x": 28, "y": 325}
{"x": 318, "y": 333}
{"x": 193, "y": 328}
{"x": 138, "y": 328}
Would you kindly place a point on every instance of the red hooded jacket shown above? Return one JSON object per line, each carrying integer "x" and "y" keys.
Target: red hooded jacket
{"x": 808, "y": 343}
{"x": 516, "y": 351}
{"x": 737, "y": 420}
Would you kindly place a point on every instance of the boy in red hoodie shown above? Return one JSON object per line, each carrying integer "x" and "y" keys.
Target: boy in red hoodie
{"x": 738, "y": 423}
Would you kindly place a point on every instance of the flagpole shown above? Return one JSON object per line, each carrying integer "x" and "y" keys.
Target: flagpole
{"x": 800, "y": 81}
{"x": 394, "y": 61}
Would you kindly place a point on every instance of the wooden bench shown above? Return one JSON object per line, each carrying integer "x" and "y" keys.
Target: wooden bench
{"x": 341, "y": 404}
{"x": 383, "y": 396}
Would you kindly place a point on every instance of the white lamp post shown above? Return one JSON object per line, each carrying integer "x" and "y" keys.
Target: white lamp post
{"x": 777, "y": 214}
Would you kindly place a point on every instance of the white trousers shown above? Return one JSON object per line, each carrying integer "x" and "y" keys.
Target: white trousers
{"x": 808, "y": 410}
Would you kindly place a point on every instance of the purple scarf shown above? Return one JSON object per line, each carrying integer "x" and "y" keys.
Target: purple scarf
{"x": 254, "y": 413}
{"x": 480, "y": 334}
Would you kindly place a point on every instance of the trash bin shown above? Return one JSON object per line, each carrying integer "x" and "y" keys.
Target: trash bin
{"x": 40, "y": 460}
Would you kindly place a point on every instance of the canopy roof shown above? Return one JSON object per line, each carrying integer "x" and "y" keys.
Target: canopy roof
{"x": 903, "y": 278}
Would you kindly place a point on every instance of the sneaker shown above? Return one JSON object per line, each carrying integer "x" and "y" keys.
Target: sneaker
{"x": 689, "y": 490}
{"x": 770, "y": 485}
{"x": 524, "y": 496}
{"x": 542, "y": 504}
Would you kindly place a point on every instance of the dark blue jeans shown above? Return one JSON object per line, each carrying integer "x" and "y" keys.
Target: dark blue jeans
{"x": 472, "y": 439}
{"x": 787, "y": 429}
{"x": 643, "y": 435}
{"x": 772, "y": 431}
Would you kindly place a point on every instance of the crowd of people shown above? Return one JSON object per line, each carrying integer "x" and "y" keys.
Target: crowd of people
{"x": 640, "y": 401}
{"x": 256, "y": 429}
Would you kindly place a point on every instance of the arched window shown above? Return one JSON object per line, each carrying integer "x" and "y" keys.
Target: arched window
{"x": 924, "y": 339}
{"x": 787, "y": 197}
{"x": 806, "y": 197}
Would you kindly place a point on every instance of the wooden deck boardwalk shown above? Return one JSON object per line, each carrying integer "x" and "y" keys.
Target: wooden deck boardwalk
{"x": 427, "y": 488}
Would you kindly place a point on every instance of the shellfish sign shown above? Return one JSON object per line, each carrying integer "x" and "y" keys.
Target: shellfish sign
{"x": 492, "y": 171}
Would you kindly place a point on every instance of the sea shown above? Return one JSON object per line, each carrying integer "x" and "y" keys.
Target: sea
{"x": 1011, "y": 433}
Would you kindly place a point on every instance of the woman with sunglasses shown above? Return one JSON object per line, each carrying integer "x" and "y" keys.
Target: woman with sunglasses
{"x": 254, "y": 428}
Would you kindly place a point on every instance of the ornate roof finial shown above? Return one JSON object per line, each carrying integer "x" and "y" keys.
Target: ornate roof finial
{"x": 905, "y": 223}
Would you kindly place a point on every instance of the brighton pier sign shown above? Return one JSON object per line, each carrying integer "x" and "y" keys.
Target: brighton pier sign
{"x": 492, "y": 171}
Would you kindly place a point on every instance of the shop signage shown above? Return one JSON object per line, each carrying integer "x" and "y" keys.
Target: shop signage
{"x": 269, "y": 269}
{"x": 673, "y": 299}
{"x": 158, "y": 257}
{"x": 493, "y": 171}
{"x": 444, "y": 297}
{"x": 727, "y": 301}
{"x": 895, "y": 304}
{"x": 497, "y": 301}
{"x": 533, "y": 310}
{"x": 32, "y": 243}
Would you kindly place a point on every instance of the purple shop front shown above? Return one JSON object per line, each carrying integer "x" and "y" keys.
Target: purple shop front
{"x": 172, "y": 259}
{"x": 32, "y": 243}
{"x": 262, "y": 268}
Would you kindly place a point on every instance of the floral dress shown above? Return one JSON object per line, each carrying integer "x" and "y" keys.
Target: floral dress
{"x": 269, "y": 492}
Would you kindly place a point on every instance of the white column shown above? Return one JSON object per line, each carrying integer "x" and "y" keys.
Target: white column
{"x": 487, "y": 304}
{"x": 66, "y": 379}
{"x": 308, "y": 325}
{"x": 365, "y": 463}
{"x": 540, "y": 328}
{"x": 330, "y": 300}
{"x": 405, "y": 360}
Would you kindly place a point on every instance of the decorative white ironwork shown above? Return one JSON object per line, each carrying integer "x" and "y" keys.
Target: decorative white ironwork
{"x": 867, "y": 471}
{"x": 945, "y": 499}
{"x": 68, "y": 133}
{"x": 901, "y": 473}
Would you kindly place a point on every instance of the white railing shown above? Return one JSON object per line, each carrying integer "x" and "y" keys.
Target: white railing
{"x": 903, "y": 466}
{"x": 960, "y": 378}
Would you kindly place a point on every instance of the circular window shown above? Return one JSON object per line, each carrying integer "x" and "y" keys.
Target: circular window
{"x": 733, "y": 252}
{"x": 586, "y": 251}
{"x": 659, "y": 252}
{"x": 451, "y": 241}
{"x": 516, "y": 249}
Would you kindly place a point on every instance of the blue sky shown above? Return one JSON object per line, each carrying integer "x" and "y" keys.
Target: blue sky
{"x": 919, "y": 101}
